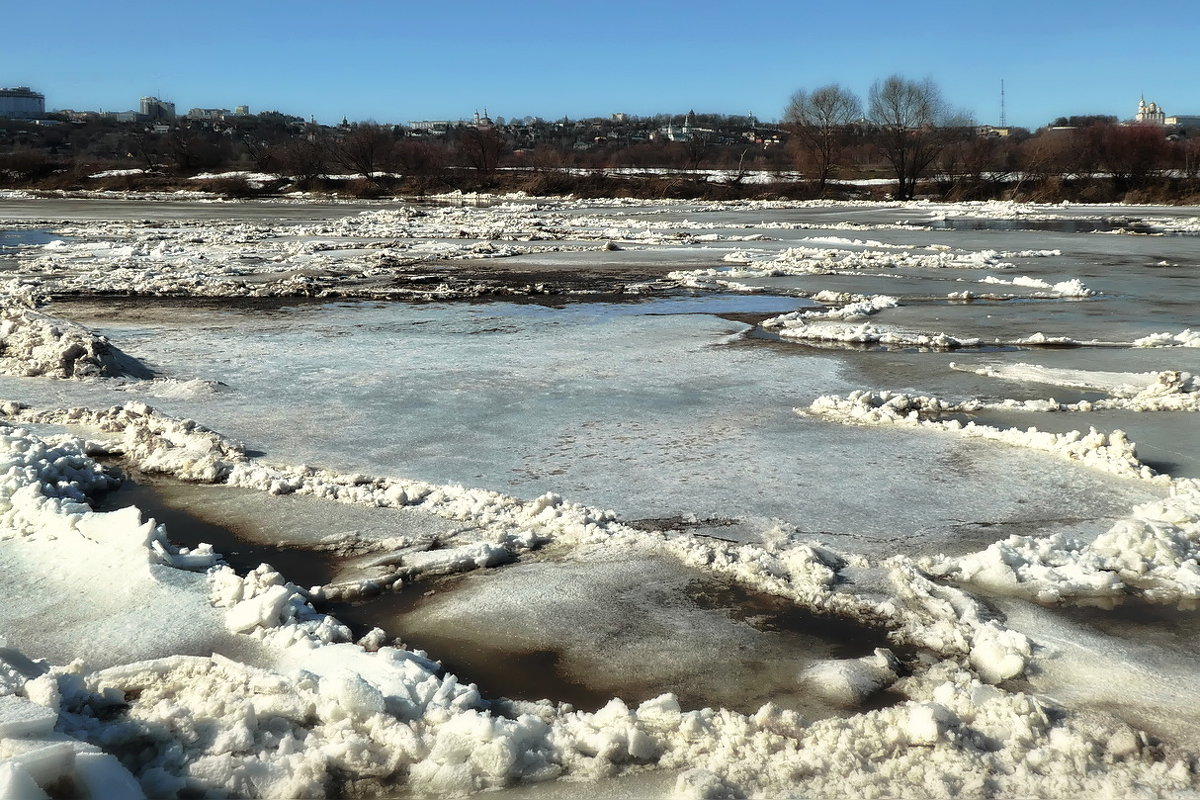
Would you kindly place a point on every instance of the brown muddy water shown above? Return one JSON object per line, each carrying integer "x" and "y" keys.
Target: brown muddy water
{"x": 168, "y": 503}
{"x": 632, "y": 630}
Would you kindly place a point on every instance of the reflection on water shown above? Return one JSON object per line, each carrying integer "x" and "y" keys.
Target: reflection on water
{"x": 10, "y": 240}
{"x": 1106, "y": 225}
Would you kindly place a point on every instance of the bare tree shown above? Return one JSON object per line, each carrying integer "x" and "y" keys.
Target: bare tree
{"x": 193, "y": 150}
{"x": 481, "y": 148}
{"x": 696, "y": 146}
{"x": 1187, "y": 153}
{"x": 1131, "y": 154}
{"x": 908, "y": 114}
{"x": 365, "y": 150}
{"x": 972, "y": 168}
{"x": 422, "y": 163}
{"x": 818, "y": 119}
{"x": 304, "y": 158}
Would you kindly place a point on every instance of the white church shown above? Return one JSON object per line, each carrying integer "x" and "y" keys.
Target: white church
{"x": 1152, "y": 114}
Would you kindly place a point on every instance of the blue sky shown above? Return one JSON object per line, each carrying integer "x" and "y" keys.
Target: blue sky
{"x": 399, "y": 61}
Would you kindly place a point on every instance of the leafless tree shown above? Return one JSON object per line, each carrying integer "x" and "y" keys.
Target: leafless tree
{"x": 304, "y": 158}
{"x": 909, "y": 115}
{"x": 481, "y": 148}
{"x": 818, "y": 119}
{"x": 365, "y": 150}
{"x": 972, "y": 167}
{"x": 192, "y": 151}
{"x": 1130, "y": 154}
{"x": 423, "y": 164}
{"x": 1187, "y": 153}
{"x": 696, "y": 146}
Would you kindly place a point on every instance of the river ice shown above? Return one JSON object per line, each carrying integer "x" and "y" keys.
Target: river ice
{"x": 831, "y": 406}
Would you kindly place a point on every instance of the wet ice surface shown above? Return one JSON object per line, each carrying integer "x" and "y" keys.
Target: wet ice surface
{"x": 1134, "y": 661}
{"x": 10, "y": 240}
{"x": 587, "y": 629}
{"x": 649, "y": 409}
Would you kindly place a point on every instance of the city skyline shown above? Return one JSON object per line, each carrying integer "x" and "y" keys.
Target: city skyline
{"x": 395, "y": 64}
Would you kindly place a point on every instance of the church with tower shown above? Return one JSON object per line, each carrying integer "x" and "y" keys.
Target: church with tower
{"x": 1149, "y": 114}
{"x": 1152, "y": 114}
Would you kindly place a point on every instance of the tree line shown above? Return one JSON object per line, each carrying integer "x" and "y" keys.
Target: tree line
{"x": 934, "y": 149}
{"x": 905, "y": 133}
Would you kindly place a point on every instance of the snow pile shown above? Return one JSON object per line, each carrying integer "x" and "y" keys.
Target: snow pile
{"x": 36, "y": 344}
{"x": 34, "y": 757}
{"x": 1168, "y": 390}
{"x": 117, "y": 173}
{"x": 357, "y": 255}
{"x": 153, "y": 441}
{"x": 849, "y": 682}
{"x": 855, "y": 308}
{"x": 868, "y": 334}
{"x": 957, "y": 738}
{"x": 46, "y": 486}
{"x": 1173, "y": 224}
{"x": 1069, "y": 288}
{"x": 1152, "y": 554}
{"x": 1110, "y": 452}
{"x": 816, "y": 261}
{"x": 1186, "y": 338}
{"x": 254, "y": 179}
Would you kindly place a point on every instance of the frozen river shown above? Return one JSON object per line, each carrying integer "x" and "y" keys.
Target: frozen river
{"x": 721, "y": 451}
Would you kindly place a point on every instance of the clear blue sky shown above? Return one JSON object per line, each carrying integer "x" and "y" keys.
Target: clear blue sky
{"x": 405, "y": 60}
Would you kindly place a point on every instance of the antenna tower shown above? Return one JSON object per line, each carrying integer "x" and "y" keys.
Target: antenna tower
{"x": 1003, "y": 112}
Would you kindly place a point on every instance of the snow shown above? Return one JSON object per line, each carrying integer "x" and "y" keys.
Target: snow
{"x": 851, "y": 681}
{"x": 33, "y": 343}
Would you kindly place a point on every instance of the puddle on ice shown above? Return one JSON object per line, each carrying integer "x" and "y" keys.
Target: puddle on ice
{"x": 630, "y": 628}
{"x": 577, "y": 632}
{"x": 12, "y": 239}
{"x": 172, "y": 503}
{"x": 1105, "y": 225}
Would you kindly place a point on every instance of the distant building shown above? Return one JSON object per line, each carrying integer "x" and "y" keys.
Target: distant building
{"x": 241, "y": 111}
{"x": 429, "y": 127}
{"x": 156, "y": 110}
{"x": 993, "y": 132}
{"x": 1184, "y": 121}
{"x": 688, "y": 131}
{"x": 1150, "y": 114}
{"x": 124, "y": 116}
{"x": 21, "y": 102}
{"x": 207, "y": 114}
{"x": 484, "y": 122}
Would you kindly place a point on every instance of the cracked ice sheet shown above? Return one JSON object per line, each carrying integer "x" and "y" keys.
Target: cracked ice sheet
{"x": 614, "y": 406}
